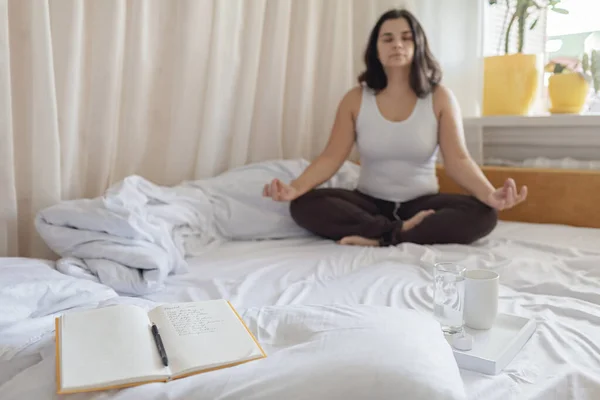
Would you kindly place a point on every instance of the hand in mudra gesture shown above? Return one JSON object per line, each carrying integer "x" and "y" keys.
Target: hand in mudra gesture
{"x": 507, "y": 196}
{"x": 280, "y": 191}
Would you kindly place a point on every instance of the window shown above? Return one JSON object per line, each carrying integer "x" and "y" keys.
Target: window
{"x": 560, "y": 37}
{"x": 496, "y": 21}
{"x": 568, "y": 36}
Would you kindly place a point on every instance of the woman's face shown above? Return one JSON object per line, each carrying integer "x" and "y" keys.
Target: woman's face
{"x": 395, "y": 44}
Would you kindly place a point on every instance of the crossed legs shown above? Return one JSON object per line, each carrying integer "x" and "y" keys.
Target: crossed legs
{"x": 351, "y": 217}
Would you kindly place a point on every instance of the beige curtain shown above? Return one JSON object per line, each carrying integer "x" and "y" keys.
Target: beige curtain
{"x": 94, "y": 90}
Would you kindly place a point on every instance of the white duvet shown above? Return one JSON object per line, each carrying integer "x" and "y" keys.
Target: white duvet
{"x": 138, "y": 233}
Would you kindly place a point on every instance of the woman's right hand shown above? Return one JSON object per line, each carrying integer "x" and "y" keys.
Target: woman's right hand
{"x": 280, "y": 191}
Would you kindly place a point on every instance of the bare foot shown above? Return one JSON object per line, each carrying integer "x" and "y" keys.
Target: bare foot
{"x": 416, "y": 219}
{"x": 408, "y": 224}
{"x": 359, "y": 241}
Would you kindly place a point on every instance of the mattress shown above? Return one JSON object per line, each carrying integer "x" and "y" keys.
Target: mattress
{"x": 549, "y": 273}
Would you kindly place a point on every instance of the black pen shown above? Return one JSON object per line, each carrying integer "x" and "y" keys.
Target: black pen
{"x": 159, "y": 345}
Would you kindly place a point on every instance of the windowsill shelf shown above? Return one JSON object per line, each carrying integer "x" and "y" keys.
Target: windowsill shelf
{"x": 517, "y": 138}
{"x": 554, "y": 120}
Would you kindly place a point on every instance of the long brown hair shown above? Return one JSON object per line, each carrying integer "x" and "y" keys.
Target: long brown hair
{"x": 425, "y": 72}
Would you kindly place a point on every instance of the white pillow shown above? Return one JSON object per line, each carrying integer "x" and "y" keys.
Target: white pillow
{"x": 32, "y": 288}
{"x": 350, "y": 352}
{"x": 332, "y": 352}
{"x": 240, "y": 212}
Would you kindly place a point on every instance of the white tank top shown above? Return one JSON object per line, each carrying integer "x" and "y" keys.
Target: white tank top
{"x": 397, "y": 158}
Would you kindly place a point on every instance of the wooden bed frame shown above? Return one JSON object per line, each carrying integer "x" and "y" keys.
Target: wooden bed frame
{"x": 555, "y": 196}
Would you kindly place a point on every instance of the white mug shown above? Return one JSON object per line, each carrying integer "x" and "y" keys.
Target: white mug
{"x": 481, "y": 298}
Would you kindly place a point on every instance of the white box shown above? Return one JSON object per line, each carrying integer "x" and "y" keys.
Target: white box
{"x": 495, "y": 348}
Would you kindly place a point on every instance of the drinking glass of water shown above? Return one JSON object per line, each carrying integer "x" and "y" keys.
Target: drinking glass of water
{"x": 448, "y": 296}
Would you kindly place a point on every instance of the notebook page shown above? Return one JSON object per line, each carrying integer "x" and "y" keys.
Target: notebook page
{"x": 107, "y": 346}
{"x": 202, "y": 335}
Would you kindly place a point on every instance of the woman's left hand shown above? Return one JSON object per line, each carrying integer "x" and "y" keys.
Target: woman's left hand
{"x": 506, "y": 197}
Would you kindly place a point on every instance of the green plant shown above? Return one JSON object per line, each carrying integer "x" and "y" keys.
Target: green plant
{"x": 591, "y": 68}
{"x": 522, "y": 12}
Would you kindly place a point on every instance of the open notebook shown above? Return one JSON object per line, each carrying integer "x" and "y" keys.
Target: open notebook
{"x": 114, "y": 347}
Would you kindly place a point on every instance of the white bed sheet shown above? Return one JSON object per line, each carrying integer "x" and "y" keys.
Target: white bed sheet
{"x": 307, "y": 347}
{"x": 550, "y": 273}
{"x": 285, "y": 290}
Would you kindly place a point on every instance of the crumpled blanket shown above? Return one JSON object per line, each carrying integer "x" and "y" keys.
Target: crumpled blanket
{"x": 131, "y": 238}
{"x": 138, "y": 233}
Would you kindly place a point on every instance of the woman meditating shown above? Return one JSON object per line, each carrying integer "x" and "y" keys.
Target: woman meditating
{"x": 399, "y": 116}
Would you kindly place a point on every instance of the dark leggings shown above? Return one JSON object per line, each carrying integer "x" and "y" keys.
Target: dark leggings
{"x": 336, "y": 213}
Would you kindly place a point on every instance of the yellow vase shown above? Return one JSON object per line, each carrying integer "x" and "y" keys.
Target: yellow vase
{"x": 567, "y": 93}
{"x": 510, "y": 83}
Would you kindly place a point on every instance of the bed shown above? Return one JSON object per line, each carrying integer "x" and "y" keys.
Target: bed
{"x": 549, "y": 272}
